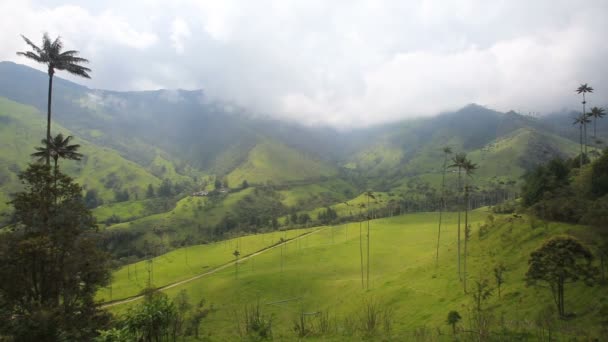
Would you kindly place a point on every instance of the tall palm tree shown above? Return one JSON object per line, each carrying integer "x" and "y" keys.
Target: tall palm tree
{"x": 58, "y": 147}
{"x": 369, "y": 195}
{"x": 596, "y": 113}
{"x": 581, "y": 121}
{"x": 446, "y": 151}
{"x": 52, "y": 55}
{"x": 583, "y": 89}
{"x": 236, "y": 254}
{"x": 469, "y": 168}
{"x": 361, "y": 206}
{"x": 458, "y": 162}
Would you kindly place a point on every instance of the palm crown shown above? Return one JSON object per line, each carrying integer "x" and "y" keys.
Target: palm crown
{"x": 597, "y": 112}
{"x": 56, "y": 148}
{"x": 50, "y": 54}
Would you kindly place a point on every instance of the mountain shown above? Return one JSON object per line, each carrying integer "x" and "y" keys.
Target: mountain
{"x": 184, "y": 140}
{"x": 21, "y": 129}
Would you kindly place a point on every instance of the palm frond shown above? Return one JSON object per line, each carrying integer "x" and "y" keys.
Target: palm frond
{"x": 32, "y": 45}
{"x": 33, "y": 56}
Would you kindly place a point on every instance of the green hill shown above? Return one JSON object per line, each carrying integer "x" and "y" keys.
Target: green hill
{"x": 102, "y": 169}
{"x": 273, "y": 162}
{"x": 321, "y": 273}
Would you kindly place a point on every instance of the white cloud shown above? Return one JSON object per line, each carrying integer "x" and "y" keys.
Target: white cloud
{"x": 340, "y": 62}
{"x": 179, "y": 32}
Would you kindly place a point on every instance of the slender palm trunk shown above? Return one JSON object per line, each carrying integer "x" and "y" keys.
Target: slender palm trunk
{"x": 361, "y": 248}
{"x": 442, "y": 206}
{"x": 48, "y": 116}
{"x": 585, "y": 122}
{"x": 466, "y": 237}
{"x": 580, "y": 129}
{"x": 459, "y": 190}
{"x": 594, "y": 124}
{"x": 368, "y": 238}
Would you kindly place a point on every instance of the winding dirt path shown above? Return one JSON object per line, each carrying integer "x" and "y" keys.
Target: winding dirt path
{"x": 215, "y": 270}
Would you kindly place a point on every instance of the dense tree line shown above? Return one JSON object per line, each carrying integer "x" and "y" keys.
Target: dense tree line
{"x": 563, "y": 191}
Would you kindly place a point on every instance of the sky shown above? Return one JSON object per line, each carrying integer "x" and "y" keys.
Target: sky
{"x": 346, "y": 63}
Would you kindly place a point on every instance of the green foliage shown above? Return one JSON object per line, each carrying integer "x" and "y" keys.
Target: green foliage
{"x": 91, "y": 199}
{"x": 165, "y": 188}
{"x": 599, "y": 176}
{"x": 544, "y": 179}
{"x": 150, "y": 191}
{"x": 258, "y": 326}
{"x": 50, "y": 265}
{"x": 560, "y": 260}
{"x": 453, "y": 319}
{"x": 499, "y": 276}
{"x": 154, "y": 320}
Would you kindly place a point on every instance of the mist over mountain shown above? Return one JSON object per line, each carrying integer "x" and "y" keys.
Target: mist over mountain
{"x": 216, "y": 136}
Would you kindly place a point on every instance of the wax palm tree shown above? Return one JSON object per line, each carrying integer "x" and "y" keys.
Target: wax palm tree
{"x": 583, "y": 89}
{"x": 469, "y": 169}
{"x": 52, "y": 55}
{"x": 369, "y": 195}
{"x": 446, "y": 151}
{"x": 361, "y": 206}
{"x": 58, "y": 147}
{"x": 581, "y": 121}
{"x": 596, "y": 113}
{"x": 236, "y": 254}
{"x": 458, "y": 162}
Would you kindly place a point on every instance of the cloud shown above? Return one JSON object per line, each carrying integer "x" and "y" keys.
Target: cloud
{"x": 179, "y": 32}
{"x": 344, "y": 63}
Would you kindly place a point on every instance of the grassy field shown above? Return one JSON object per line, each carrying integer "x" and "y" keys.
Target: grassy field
{"x": 186, "y": 262}
{"x": 278, "y": 163}
{"x": 321, "y": 273}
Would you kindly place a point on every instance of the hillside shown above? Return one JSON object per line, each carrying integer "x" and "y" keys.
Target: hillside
{"x": 102, "y": 168}
{"x": 273, "y": 162}
{"x": 130, "y": 142}
{"x": 320, "y": 273}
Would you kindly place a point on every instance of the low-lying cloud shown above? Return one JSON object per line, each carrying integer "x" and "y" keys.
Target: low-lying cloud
{"x": 343, "y": 63}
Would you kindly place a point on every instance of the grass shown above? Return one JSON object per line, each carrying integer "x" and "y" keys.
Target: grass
{"x": 187, "y": 262}
{"x": 273, "y": 162}
{"x": 321, "y": 272}
{"x": 333, "y": 190}
{"x": 22, "y": 128}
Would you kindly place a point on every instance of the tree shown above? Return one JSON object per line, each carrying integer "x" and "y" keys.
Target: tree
{"x": 458, "y": 162}
{"x": 582, "y": 121}
{"x": 499, "y": 276}
{"x": 217, "y": 183}
{"x": 453, "y": 319}
{"x": 596, "y": 113}
{"x": 150, "y": 191}
{"x": 583, "y": 89}
{"x": 361, "y": 206}
{"x": 236, "y": 254}
{"x": 369, "y": 195}
{"x": 244, "y": 185}
{"x": 52, "y": 55}
{"x": 50, "y": 263}
{"x": 560, "y": 260}
{"x": 153, "y": 320}
{"x": 182, "y": 306}
{"x": 58, "y": 147}
{"x": 469, "y": 168}
{"x": 599, "y": 176}
{"x": 200, "y": 312}
{"x": 446, "y": 151}
{"x": 481, "y": 292}
{"x": 91, "y": 199}
{"x": 164, "y": 189}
